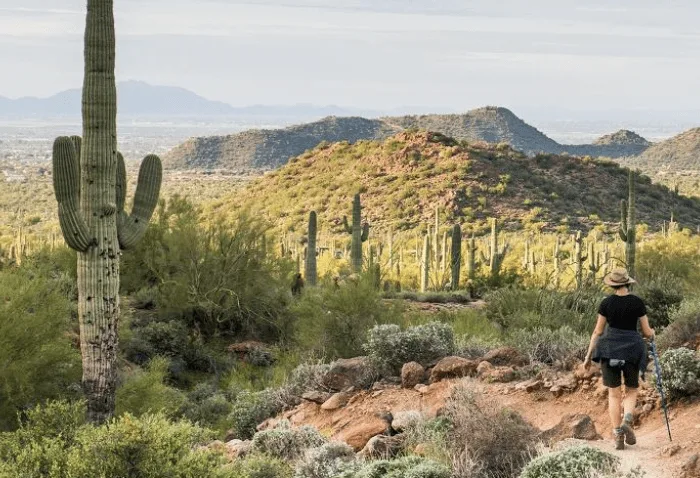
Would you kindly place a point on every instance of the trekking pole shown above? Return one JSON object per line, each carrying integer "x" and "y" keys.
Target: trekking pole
{"x": 660, "y": 386}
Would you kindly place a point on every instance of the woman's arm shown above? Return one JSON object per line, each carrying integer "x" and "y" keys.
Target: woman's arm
{"x": 647, "y": 331}
{"x": 597, "y": 332}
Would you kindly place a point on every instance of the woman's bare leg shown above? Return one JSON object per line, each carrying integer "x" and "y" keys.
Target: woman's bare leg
{"x": 614, "y": 406}
{"x": 630, "y": 401}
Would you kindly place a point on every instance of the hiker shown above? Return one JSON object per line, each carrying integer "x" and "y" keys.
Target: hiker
{"x": 621, "y": 351}
{"x": 297, "y": 285}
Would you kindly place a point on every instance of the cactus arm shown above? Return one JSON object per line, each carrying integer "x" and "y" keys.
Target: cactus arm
{"x": 346, "y": 226}
{"x": 66, "y": 183}
{"x": 623, "y": 221}
{"x": 365, "y": 232}
{"x": 132, "y": 227}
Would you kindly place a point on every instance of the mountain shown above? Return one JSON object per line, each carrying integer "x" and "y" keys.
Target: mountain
{"x": 679, "y": 153}
{"x": 273, "y": 148}
{"x": 403, "y": 178}
{"x": 268, "y": 148}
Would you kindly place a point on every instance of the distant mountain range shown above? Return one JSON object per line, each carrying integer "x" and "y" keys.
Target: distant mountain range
{"x": 271, "y": 148}
{"x": 136, "y": 98}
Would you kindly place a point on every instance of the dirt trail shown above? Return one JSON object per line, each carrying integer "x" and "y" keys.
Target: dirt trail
{"x": 542, "y": 410}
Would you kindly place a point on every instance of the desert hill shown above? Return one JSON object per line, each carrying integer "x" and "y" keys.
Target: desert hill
{"x": 403, "y": 178}
{"x": 273, "y": 148}
{"x": 679, "y": 153}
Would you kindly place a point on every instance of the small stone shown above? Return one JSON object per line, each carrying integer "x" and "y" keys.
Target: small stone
{"x": 412, "y": 374}
{"x": 316, "y": 397}
{"x": 671, "y": 450}
{"x": 421, "y": 388}
{"x": 484, "y": 367}
{"x": 453, "y": 367}
{"x": 578, "y": 426}
{"x": 377, "y": 393}
{"x": 338, "y": 400}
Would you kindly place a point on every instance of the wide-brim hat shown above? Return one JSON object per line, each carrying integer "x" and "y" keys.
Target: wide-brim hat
{"x": 618, "y": 277}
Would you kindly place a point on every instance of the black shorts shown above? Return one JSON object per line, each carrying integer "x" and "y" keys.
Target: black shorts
{"x": 612, "y": 376}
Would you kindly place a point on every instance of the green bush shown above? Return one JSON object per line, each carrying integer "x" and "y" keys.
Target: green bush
{"x": 38, "y": 360}
{"x": 575, "y": 462}
{"x": 145, "y": 391}
{"x": 390, "y": 347}
{"x": 325, "y": 461}
{"x": 680, "y": 370}
{"x": 287, "y": 443}
{"x": 662, "y": 295}
{"x": 562, "y": 346}
{"x": 250, "y": 409}
{"x": 216, "y": 279}
{"x": 334, "y": 322}
{"x": 208, "y": 406}
{"x": 261, "y": 466}
{"x": 55, "y": 443}
{"x": 406, "y": 467}
{"x": 684, "y": 325}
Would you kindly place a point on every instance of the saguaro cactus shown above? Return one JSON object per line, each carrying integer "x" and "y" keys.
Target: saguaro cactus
{"x": 628, "y": 225}
{"x": 310, "y": 264}
{"x": 425, "y": 264}
{"x": 496, "y": 255}
{"x": 578, "y": 259}
{"x": 456, "y": 255}
{"x": 90, "y": 187}
{"x": 471, "y": 259}
{"x": 359, "y": 231}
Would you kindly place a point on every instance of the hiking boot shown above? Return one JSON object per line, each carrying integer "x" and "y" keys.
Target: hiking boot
{"x": 619, "y": 439}
{"x": 627, "y": 429}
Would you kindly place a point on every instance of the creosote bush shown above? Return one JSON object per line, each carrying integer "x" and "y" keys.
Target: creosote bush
{"x": 684, "y": 326}
{"x": 252, "y": 408}
{"x": 562, "y": 346}
{"x": 287, "y": 443}
{"x": 325, "y": 461}
{"x": 405, "y": 467}
{"x": 574, "y": 462}
{"x": 681, "y": 372}
{"x": 390, "y": 347}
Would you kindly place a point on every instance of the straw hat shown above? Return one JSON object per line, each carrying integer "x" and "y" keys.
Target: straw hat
{"x": 618, "y": 277}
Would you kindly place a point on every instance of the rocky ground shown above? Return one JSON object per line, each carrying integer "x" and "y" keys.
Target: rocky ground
{"x": 567, "y": 407}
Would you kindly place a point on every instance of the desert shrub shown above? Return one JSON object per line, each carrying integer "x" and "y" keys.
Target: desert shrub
{"x": 472, "y": 347}
{"x": 38, "y": 360}
{"x": 405, "y": 467}
{"x": 532, "y": 308}
{"x": 144, "y": 391}
{"x": 574, "y": 462}
{"x": 261, "y": 466}
{"x": 550, "y": 347}
{"x": 493, "y": 441}
{"x": 250, "y": 409}
{"x": 334, "y": 322}
{"x": 680, "y": 370}
{"x": 325, "y": 461}
{"x": 390, "y": 347}
{"x": 54, "y": 442}
{"x": 684, "y": 325}
{"x": 216, "y": 278}
{"x": 677, "y": 256}
{"x": 207, "y": 406}
{"x": 662, "y": 295}
{"x": 287, "y": 443}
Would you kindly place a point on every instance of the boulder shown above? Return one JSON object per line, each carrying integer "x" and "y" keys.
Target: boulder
{"x": 530, "y": 386}
{"x": 412, "y": 374}
{"x": 500, "y": 375}
{"x": 579, "y": 426}
{"x": 316, "y": 397}
{"x": 345, "y": 373}
{"x": 483, "y": 368}
{"x": 337, "y": 400}
{"x": 506, "y": 356}
{"x": 359, "y": 431}
{"x": 453, "y": 367}
{"x": 382, "y": 447}
{"x": 582, "y": 374}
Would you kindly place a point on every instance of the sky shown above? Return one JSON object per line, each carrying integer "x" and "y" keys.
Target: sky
{"x": 536, "y": 55}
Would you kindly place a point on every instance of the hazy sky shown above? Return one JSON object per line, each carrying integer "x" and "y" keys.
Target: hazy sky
{"x": 537, "y": 54}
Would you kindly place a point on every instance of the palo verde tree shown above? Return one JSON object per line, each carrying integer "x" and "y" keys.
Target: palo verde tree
{"x": 90, "y": 186}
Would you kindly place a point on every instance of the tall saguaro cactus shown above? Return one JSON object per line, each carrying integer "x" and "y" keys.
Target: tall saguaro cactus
{"x": 628, "y": 225}
{"x": 496, "y": 255}
{"x": 425, "y": 264}
{"x": 90, "y": 186}
{"x": 310, "y": 264}
{"x": 456, "y": 255}
{"x": 359, "y": 231}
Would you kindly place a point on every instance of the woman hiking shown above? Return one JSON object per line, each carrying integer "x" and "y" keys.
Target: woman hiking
{"x": 621, "y": 351}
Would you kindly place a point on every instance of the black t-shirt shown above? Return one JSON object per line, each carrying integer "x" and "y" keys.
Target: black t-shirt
{"x": 623, "y": 311}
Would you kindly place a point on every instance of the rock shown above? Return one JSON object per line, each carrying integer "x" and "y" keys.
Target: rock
{"x": 601, "y": 391}
{"x": 453, "y": 367}
{"x": 268, "y": 424}
{"x": 359, "y": 432}
{"x": 500, "y": 375}
{"x": 484, "y": 367}
{"x": 557, "y": 391}
{"x": 579, "y": 426}
{"x": 582, "y": 374}
{"x": 382, "y": 446}
{"x": 421, "y": 449}
{"x": 412, "y": 374}
{"x": 568, "y": 382}
{"x": 337, "y": 400}
{"x": 238, "y": 448}
{"x": 530, "y": 386}
{"x": 506, "y": 356}
{"x": 252, "y": 352}
{"x": 316, "y": 397}
{"x": 344, "y": 373}
{"x": 402, "y": 420}
{"x": 670, "y": 450}
{"x": 691, "y": 468}
{"x": 421, "y": 388}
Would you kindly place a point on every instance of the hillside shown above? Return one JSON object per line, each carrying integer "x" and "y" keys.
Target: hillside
{"x": 404, "y": 178}
{"x": 269, "y": 148}
{"x": 680, "y": 153}
{"x": 273, "y": 148}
